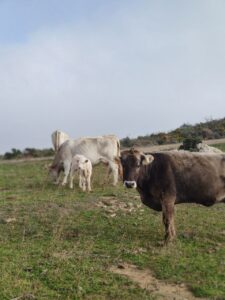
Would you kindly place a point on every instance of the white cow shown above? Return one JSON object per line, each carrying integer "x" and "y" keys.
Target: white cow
{"x": 202, "y": 147}
{"x": 59, "y": 137}
{"x": 104, "y": 149}
{"x": 83, "y": 166}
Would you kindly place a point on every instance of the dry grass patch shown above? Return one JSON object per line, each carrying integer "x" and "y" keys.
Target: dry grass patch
{"x": 158, "y": 288}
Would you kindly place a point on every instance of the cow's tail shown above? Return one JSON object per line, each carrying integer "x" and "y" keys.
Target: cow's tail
{"x": 118, "y": 148}
{"x": 57, "y": 140}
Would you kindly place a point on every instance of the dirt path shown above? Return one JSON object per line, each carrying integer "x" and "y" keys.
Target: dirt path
{"x": 161, "y": 290}
{"x": 22, "y": 160}
{"x": 174, "y": 146}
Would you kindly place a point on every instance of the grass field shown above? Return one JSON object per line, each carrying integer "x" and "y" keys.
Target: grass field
{"x": 60, "y": 244}
{"x": 220, "y": 146}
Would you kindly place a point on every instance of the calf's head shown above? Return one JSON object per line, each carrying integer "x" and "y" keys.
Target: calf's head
{"x": 132, "y": 161}
{"x": 79, "y": 162}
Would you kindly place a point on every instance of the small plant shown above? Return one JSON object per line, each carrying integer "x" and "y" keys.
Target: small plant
{"x": 190, "y": 144}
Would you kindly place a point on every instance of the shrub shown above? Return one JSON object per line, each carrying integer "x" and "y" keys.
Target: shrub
{"x": 15, "y": 153}
{"x": 190, "y": 144}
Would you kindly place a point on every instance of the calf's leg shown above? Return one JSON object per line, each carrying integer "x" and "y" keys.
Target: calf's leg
{"x": 80, "y": 180}
{"x": 88, "y": 182}
{"x": 71, "y": 179}
{"x": 83, "y": 179}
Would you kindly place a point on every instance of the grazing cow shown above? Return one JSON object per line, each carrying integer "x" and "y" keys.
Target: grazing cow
{"x": 104, "y": 149}
{"x": 58, "y": 137}
{"x": 167, "y": 178}
{"x": 83, "y": 166}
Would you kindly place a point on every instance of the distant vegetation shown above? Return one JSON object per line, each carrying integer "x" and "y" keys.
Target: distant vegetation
{"x": 211, "y": 129}
{"x": 187, "y": 134}
{"x": 27, "y": 153}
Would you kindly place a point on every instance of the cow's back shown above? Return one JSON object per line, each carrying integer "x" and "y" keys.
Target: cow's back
{"x": 193, "y": 177}
{"x": 95, "y": 148}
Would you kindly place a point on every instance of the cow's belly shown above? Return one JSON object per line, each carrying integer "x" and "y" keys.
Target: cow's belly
{"x": 92, "y": 153}
{"x": 149, "y": 201}
{"x": 207, "y": 195}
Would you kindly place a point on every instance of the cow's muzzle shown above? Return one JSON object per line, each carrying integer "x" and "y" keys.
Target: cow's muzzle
{"x": 130, "y": 184}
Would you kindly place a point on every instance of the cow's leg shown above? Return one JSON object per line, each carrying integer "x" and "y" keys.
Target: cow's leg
{"x": 109, "y": 171}
{"x": 57, "y": 180}
{"x": 168, "y": 219}
{"x": 66, "y": 172}
{"x": 114, "y": 167}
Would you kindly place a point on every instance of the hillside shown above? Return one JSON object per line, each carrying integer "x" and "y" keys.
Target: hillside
{"x": 213, "y": 129}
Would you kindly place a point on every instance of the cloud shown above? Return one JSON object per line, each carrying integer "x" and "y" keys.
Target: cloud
{"x": 137, "y": 70}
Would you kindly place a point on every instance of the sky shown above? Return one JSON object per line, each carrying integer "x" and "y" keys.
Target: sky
{"x": 93, "y": 67}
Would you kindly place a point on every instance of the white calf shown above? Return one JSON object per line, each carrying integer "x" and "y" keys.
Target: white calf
{"x": 84, "y": 167}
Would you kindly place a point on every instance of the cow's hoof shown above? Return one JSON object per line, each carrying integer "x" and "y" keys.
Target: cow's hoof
{"x": 168, "y": 242}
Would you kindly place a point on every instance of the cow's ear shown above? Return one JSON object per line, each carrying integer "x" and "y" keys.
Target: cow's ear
{"x": 146, "y": 159}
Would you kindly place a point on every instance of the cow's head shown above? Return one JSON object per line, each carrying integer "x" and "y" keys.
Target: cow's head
{"x": 54, "y": 172}
{"x": 132, "y": 160}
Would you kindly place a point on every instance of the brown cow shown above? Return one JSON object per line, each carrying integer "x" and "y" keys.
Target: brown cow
{"x": 167, "y": 178}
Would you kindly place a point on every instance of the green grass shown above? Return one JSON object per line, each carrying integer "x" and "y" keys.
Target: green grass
{"x": 60, "y": 245}
{"x": 220, "y": 146}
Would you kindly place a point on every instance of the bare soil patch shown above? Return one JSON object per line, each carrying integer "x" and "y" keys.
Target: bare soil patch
{"x": 112, "y": 206}
{"x": 145, "y": 279}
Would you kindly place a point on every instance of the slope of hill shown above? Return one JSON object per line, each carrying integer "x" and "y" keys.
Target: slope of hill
{"x": 213, "y": 129}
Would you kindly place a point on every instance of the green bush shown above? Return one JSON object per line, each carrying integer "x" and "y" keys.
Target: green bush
{"x": 190, "y": 144}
